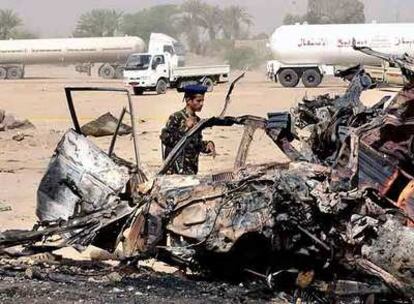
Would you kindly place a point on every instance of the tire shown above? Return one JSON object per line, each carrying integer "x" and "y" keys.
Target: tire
{"x": 119, "y": 72}
{"x": 311, "y": 78}
{"x": 161, "y": 87}
{"x": 209, "y": 83}
{"x": 3, "y": 73}
{"x": 288, "y": 78}
{"x": 138, "y": 91}
{"x": 14, "y": 73}
{"x": 107, "y": 71}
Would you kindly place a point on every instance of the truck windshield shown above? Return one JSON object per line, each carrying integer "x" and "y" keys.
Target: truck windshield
{"x": 138, "y": 62}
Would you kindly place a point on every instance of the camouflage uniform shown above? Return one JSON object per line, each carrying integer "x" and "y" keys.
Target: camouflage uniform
{"x": 175, "y": 129}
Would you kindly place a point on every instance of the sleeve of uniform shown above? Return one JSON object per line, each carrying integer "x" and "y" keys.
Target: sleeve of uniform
{"x": 170, "y": 134}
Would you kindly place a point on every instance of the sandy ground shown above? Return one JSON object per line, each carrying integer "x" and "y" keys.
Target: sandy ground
{"x": 41, "y": 99}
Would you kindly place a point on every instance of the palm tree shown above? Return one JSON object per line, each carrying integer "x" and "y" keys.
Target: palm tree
{"x": 9, "y": 22}
{"x": 189, "y": 22}
{"x": 98, "y": 23}
{"x": 212, "y": 20}
{"x": 235, "y": 21}
{"x": 156, "y": 19}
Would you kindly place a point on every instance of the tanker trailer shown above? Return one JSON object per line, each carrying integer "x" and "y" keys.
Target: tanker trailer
{"x": 110, "y": 52}
{"x": 309, "y": 52}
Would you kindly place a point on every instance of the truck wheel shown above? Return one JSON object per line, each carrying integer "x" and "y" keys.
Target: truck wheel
{"x": 209, "y": 83}
{"x": 3, "y": 73}
{"x": 107, "y": 71}
{"x": 289, "y": 78}
{"x": 311, "y": 78}
{"x": 14, "y": 73}
{"x": 161, "y": 87}
{"x": 138, "y": 91}
{"x": 119, "y": 72}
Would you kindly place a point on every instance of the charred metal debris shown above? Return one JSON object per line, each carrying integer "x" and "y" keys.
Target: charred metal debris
{"x": 332, "y": 225}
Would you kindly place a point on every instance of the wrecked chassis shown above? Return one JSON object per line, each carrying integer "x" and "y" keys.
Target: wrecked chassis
{"x": 322, "y": 227}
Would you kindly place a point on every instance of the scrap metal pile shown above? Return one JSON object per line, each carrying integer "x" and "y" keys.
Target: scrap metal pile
{"x": 333, "y": 225}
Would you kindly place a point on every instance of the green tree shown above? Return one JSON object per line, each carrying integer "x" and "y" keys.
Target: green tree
{"x": 335, "y": 11}
{"x": 349, "y": 11}
{"x": 292, "y": 19}
{"x": 330, "y": 11}
{"x": 190, "y": 22}
{"x": 158, "y": 18}
{"x": 9, "y": 22}
{"x": 24, "y": 34}
{"x": 242, "y": 58}
{"x": 98, "y": 23}
{"x": 236, "y": 22}
{"x": 211, "y": 18}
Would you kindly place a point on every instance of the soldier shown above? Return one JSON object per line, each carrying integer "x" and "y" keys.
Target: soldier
{"x": 179, "y": 124}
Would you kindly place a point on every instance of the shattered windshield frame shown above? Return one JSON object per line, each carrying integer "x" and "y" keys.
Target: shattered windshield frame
{"x": 131, "y": 111}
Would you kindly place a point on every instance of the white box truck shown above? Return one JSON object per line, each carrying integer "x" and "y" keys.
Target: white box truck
{"x": 308, "y": 52}
{"x": 160, "y": 71}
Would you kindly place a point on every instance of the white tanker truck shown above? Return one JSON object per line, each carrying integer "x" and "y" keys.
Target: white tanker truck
{"x": 308, "y": 52}
{"x": 111, "y": 52}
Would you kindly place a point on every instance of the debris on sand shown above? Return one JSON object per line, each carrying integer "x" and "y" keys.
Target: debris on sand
{"x": 4, "y": 207}
{"x": 9, "y": 122}
{"x": 105, "y": 125}
{"x": 335, "y": 224}
{"x": 20, "y": 137}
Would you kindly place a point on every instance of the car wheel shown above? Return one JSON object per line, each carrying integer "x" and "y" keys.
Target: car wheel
{"x": 289, "y": 78}
{"x": 3, "y": 73}
{"x": 161, "y": 87}
{"x": 14, "y": 73}
{"x": 138, "y": 91}
{"x": 107, "y": 71}
{"x": 311, "y": 78}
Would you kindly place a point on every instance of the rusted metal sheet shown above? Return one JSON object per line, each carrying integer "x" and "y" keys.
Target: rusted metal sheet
{"x": 406, "y": 201}
{"x": 375, "y": 170}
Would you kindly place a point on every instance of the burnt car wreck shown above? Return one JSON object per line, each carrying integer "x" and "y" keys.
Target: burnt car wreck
{"x": 332, "y": 225}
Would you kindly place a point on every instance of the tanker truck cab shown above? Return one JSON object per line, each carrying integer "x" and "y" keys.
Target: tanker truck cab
{"x": 159, "y": 71}
{"x": 161, "y": 43}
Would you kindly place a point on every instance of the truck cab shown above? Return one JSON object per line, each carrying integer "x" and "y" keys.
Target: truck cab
{"x": 148, "y": 72}
{"x": 385, "y": 73}
{"x": 161, "y": 43}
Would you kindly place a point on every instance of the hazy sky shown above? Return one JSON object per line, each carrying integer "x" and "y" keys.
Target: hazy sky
{"x": 57, "y": 17}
